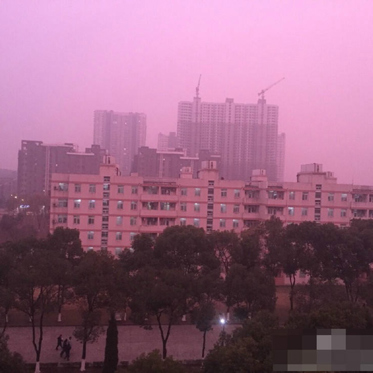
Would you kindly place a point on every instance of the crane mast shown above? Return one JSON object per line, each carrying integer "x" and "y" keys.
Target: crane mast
{"x": 261, "y": 93}
{"x": 197, "y": 88}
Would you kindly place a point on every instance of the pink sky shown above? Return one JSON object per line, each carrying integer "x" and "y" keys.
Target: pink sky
{"x": 61, "y": 60}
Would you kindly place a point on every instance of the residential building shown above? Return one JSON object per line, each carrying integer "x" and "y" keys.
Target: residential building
{"x": 168, "y": 163}
{"x": 110, "y": 209}
{"x": 246, "y": 135}
{"x": 37, "y": 161}
{"x": 167, "y": 142}
{"x": 121, "y": 134}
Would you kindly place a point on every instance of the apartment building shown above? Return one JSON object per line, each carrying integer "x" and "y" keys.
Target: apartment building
{"x": 246, "y": 135}
{"x": 109, "y": 209}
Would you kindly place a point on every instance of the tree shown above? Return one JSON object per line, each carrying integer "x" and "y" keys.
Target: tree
{"x": 153, "y": 363}
{"x": 33, "y": 285}
{"x": 111, "y": 347}
{"x": 203, "y": 316}
{"x": 65, "y": 243}
{"x": 251, "y": 290}
{"x": 10, "y": 362}
{"x": 93, "y": 279}
{"x": 166, "y": 277}
{"x": 247, "y": 350}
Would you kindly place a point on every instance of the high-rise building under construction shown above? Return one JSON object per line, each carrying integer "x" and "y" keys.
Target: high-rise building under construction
{"x": 246, "y": 135}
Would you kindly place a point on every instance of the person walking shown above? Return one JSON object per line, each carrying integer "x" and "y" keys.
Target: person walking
{"x": 64, "y": 348}
{"x": 59, "y": 342}
{"x": 68, "y": 349}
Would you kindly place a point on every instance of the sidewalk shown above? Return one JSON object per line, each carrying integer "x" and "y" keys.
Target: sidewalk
{"x": 185, "y": 343}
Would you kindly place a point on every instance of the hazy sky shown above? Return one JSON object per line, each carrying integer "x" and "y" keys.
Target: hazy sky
{"x": 60, "y": 60}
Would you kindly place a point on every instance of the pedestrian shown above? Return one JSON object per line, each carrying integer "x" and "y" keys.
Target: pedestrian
{"x": 64, "y": 348}
{"x": 68, "y": 349}
{"x": 59, "y": 342}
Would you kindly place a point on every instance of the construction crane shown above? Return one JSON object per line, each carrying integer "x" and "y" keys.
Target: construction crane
{"x": 197, "y": 88}
{"x": 266, "y": 89}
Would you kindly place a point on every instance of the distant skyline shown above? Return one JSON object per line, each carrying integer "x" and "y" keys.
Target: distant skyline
{"x": 61, "y": 61}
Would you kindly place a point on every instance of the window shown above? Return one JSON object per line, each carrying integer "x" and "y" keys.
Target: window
{"x": 119, "y": 220}
{"x": 237, "y": 193}
{"x": 168, "y": 191}
{"x": 251, "y": 208}
{"x": 183, "y": 206}
{"x": 92, "y": 204}
{"x": 304, "y": 196}
{"x": 274, "y": 210}
{"x": 318, "y": 203}
{"x": 168, "y": 206}
{"x": 211, "y": 182}
{"x": 62, "y": 218}
{"x": 77, "y": 203}
{"x": 222, "y": 223}
{"x": 134, "y": 190}
{"x": 91, "y": 219}
{"x": 105, "y": 218}
{"x": 235, "y": 223}
{"x": 330, "y": 213}
{"x": 63, "y": 187}
{"x": 105, "y": 210}
{"x": 344, "y": 197}
{"x": 62, "y": 203}
{"x": 197, "y": 192}
{"x": 106, "y": 194}
{"x": 133, "y": 205}
{"x": 105, "y": 203}
{"x": 223, "y": 207}
{"x": 107, "y": 178}
{"x": 360, "y": 197}
{"x": 78, "y": 188}
{"x": 150, "y": 205}
{"x": 251, "y": 193}
{"x": 317, "y": 211}
{"x": 118, "y": 236}
{"x": 182, "y": 221}
{"x": 76, "y": 219}
{"x": 210, "y": 191}
{"x": 133, "y": 220}
{"x": 183, "y": 191}
{"x": 318, "y": 186}
{"x": 291, "y": 195}
{"x": 89, "y": 248}
{"x": 105, "y": 226}
{"x": 151, "y": 189}
{"x": 118, "y": 250}
{"x": 196, "y": 222}
{"x": 224, "y": 192}
{"x": 92, "y": 188}
{"x": 196, "y": 207}
{"x": 104, "y": 234}
{"x": 275, "y": 194}
{"x": 120, "y": 189}
{"x": 331, "y": 197}
{"x": 120, "y": 205}
{"x": 304, "y": 211}
{"x": 132, "y": 236}
{"x": 318, "y": 195}
{"x": 370, "y": 197}
{"x": 166, "y": 221}
{"x": 236, "y": 209}
{"x": 291, "y": 211}
{"x": 106, "y": 186}
{"x": 90, "y": 235}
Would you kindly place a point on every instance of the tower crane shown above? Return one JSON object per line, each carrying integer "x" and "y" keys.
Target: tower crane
{"x": 261, "y": 93}
{"x": 197, "y": 88}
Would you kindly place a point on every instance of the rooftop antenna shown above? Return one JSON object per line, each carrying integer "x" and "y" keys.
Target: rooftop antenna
{"x": 197, "y": 88}
{"x": 261, "y": 93}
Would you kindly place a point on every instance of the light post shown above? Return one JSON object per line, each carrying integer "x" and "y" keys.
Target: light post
{"x": 222, "y": 323}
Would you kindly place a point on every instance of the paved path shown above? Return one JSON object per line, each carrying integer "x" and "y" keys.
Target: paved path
{"x": 185, "y": 343}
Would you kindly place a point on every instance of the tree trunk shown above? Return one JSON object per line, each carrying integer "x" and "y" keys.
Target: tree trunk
{"x": 204, "y": 344}
{"x": 59, "y": 318}
{"x": 164, "y": 349}
{"x": 82, "y": 365}
{"x": 291, "y": 296}
{"x": 111, "y": 347}
{"x": 37, "y": 367}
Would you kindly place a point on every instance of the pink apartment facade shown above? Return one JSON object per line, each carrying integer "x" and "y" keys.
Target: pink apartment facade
{"x": 109, "y": 209}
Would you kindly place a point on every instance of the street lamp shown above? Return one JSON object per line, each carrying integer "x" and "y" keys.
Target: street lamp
{"x": 222, "y": 322}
